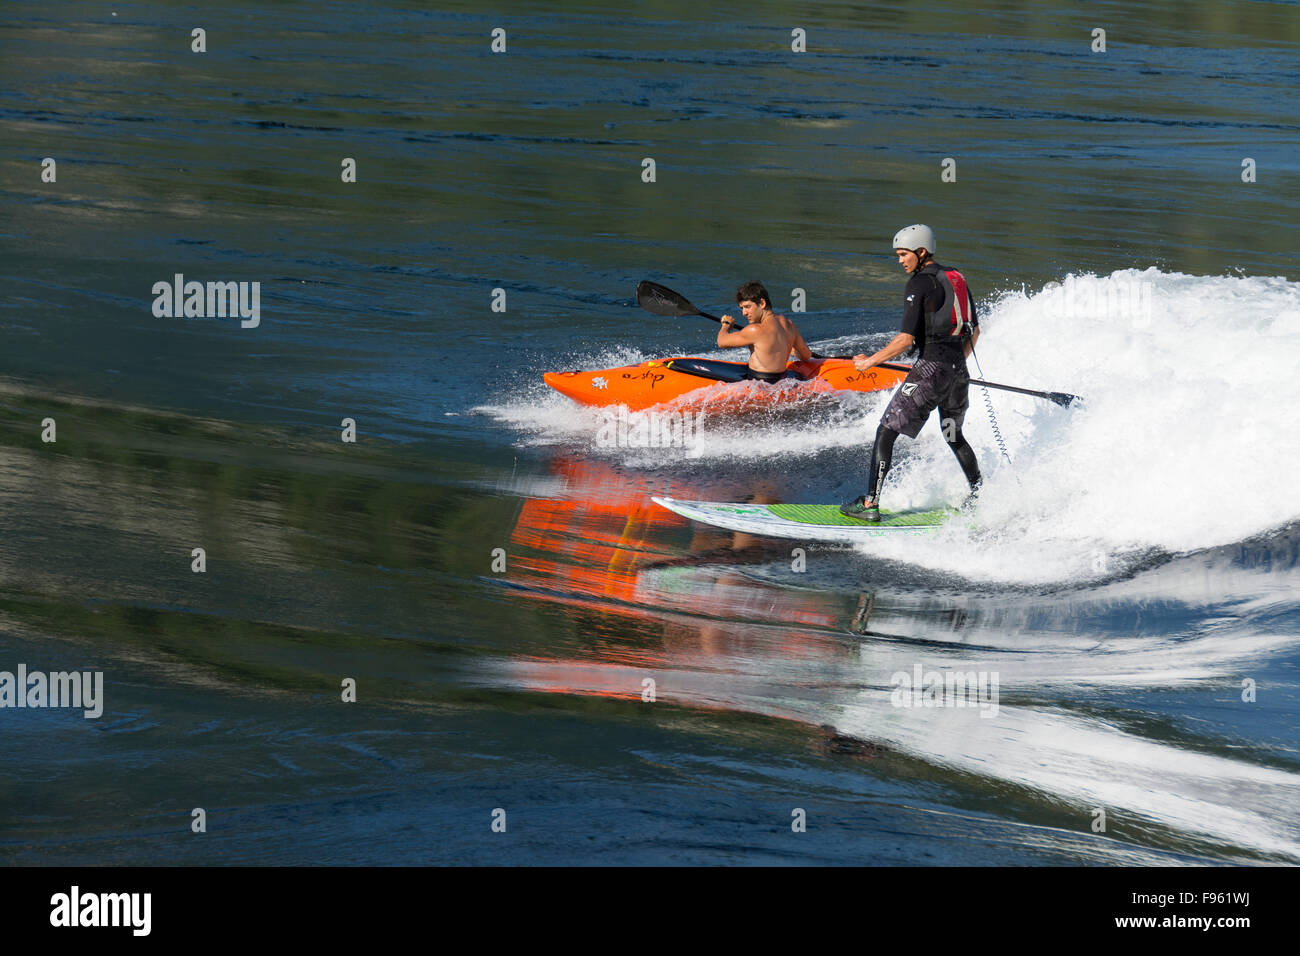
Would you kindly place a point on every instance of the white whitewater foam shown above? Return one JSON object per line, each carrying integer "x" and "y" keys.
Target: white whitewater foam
{"x": 1182, "y": 443}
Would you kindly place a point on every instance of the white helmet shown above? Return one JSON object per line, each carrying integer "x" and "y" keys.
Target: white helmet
{"x": 915, "y": 237}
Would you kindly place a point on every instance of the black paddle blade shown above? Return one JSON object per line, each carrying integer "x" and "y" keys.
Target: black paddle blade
{"x": 660, "y": 300}
{"x": 1063, "y": 398}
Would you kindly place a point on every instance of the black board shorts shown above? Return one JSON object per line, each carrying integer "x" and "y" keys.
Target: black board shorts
{"x": 929, "y": 385}
{"x": 771, "y": 377}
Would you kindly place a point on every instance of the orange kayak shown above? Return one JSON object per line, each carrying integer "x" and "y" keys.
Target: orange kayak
{"x": 708, "y": 381}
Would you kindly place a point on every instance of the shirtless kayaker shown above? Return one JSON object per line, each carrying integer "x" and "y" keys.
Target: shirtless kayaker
{"x": 770, "y": 337}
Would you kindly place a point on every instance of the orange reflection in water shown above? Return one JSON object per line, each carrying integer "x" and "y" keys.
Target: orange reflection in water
{"x": 605, "y": 546}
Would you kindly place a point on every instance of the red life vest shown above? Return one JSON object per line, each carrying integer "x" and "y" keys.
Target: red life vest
{"x": 951, "y": 320}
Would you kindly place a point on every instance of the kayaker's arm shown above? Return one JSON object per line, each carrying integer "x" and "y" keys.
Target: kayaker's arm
{"x": 970, "y": 342}
{"x": 801, "y": 348}
{"x": 728, "y": 339}
{"x": 897, "y": 346}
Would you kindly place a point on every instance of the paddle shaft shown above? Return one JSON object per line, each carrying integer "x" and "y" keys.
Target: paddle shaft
{"x": 1061, "y": 398}
{"x": 735, "y": 328}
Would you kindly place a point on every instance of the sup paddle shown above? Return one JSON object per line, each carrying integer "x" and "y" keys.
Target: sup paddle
{"x": 1060, "y": 398}
{"x": 661, "y": 300}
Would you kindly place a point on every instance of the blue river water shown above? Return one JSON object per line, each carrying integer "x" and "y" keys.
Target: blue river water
{"x": 362, "y": 589}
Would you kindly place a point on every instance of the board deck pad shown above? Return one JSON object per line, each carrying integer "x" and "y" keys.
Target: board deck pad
{"x": 806, "y": 521}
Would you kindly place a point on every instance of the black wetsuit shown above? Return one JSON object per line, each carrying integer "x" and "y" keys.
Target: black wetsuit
{"x": 938, "y": 379}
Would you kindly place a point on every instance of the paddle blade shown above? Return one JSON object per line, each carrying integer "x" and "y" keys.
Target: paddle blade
{"x": 1063, "y": 398}
{"x": 660, "y": 300}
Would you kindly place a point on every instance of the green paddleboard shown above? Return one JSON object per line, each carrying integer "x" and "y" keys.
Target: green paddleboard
{"x": 805, "y": 521}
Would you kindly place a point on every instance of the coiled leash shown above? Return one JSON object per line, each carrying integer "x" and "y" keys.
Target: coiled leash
{"x": 988, "y": 403}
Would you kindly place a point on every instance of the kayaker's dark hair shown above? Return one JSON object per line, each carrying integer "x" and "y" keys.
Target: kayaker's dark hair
{"x": 753, "y": 292}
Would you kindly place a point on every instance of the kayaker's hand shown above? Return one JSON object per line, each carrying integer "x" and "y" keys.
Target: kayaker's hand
{"x": 728, "y": 322}
{"x": 862, "y": 362}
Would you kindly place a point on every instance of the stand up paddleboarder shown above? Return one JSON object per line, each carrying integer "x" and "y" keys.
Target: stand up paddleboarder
{"x": 770, "y": 337}
{"x": 939, "y": 320}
